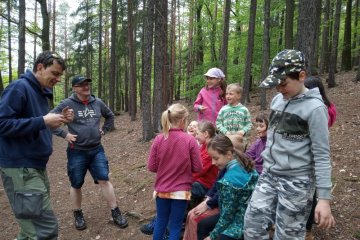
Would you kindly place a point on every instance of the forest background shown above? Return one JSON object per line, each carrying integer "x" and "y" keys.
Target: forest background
{"x": 142, "y": 55}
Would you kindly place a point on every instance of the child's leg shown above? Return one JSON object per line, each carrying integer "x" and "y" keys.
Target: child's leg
{"x": 295, "y": 200}
{"x": 206, "y": 225}
{"x": 260, "y": 213}
{"x": 177, "y": 212}
{"x": 163, "y": 209}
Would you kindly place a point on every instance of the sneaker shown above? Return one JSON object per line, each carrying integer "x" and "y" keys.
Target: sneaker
{"x": 79, "y": 220}
{"x": 118, "y": 218}
{"x": 148, "y": 228}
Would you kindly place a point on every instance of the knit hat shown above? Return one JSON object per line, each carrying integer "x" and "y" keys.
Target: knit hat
{"x": 215, "y": 73}
{"x": 285, "y": 62}
{"x": 79, "y": 79}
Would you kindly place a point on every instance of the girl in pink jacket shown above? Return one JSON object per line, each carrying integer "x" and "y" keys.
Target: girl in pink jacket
{"x": 211, "y": 97}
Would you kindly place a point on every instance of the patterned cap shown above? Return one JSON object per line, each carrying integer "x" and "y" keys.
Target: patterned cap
{"x": 215, "y": 73}
{"x": 285, "y": 62}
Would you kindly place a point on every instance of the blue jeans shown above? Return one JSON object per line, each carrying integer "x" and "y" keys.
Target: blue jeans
{"x": 79, "y": 161}
{"x": 172, "y": 211}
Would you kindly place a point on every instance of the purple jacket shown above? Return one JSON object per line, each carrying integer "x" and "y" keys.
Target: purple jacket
{"x": 254, "y": 152}
{"x": 210, "y": 98}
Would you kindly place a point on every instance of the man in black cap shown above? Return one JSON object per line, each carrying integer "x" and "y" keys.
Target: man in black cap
{"x": 85, "y": 151}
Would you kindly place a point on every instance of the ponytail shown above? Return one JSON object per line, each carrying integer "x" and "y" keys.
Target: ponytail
{"x": 173, "y": 115}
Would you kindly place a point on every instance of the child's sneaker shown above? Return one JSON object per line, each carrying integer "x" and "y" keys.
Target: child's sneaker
{"x": 148, "y": 228}
{"x": 118, "y": 218}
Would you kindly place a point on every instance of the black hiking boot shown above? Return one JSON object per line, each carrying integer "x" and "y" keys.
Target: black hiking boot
{"x": 79, "y": 220}
{"x": 119, "y": 220}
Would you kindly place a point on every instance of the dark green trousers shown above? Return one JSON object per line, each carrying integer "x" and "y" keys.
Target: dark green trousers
{"x": 28, "y": 190}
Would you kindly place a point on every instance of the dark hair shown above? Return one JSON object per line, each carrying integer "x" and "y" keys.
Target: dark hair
{"x": 206, "y": 126}
{"x": 222, "y": 144}
{"x": 263, "y": 117}
{"x": 313, "y": 82}
{"x": 47, "y": 58}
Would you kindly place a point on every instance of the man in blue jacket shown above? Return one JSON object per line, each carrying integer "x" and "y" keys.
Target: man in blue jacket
{"x": 26, "y": 145}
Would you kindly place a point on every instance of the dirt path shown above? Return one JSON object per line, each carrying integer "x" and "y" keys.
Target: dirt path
{"x": 133, "y": 183}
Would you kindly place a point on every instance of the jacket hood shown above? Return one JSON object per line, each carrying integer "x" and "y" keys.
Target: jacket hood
{"x": 75, "y": 98}
{"x": 29, "y": 75}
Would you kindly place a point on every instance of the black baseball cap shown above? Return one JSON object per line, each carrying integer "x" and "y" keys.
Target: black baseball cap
{"x": 79, "y": 79}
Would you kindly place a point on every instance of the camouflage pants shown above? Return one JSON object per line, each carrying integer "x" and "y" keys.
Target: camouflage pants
{"x": 28, "y": 190}
{"x": 285, "y": 201}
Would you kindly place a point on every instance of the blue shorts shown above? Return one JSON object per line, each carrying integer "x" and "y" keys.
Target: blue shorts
{"x": 79, "y": 161}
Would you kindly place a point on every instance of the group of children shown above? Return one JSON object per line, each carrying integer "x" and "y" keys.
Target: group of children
{"x": 235, "y": 194}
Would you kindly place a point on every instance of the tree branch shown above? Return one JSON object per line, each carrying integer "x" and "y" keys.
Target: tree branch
{"x": 17, "y": 23}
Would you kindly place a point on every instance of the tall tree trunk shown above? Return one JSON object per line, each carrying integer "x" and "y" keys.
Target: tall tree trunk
{"x": 237, "y": 49}
{"x": 9, "y": 40}
{"x": 87, "y": 46}
{"x": 45, "y": 31}
{"x": 1, "y": 84}
{"x": 265, "y": 52}
{"x": 213, "y": 22}
{"x": 346, "y": 54}
{"x": 333, "y": 56}
{"x": 53, "y": 25}
{"x": 325, "y": 52}
{"x": 160, "y": 51}
{"x": 172, "y": 51}
{"x": 100, "y": 58}
{"x": 199, "y": 35}
{"x": 306, "y": 31}
{"x": 282, "y": 20}
{"x": 178, "y": 85}
{"x": 147, "y": 127}
{"x": 355, "y": 41}
{"x": 21, "y": 49}
{"x": 225, "y": 39}
{"x": 318, "y": 5}
{"x": 190, "y": 56}
{"x": 289, "y": 24}
{"x": 35, "y": 36}
{"x": 245, "y": 98}
{"x": 113, "y": 66}
{"x": 132, "y": 62}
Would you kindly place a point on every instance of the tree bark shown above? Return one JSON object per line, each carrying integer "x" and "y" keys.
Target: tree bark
{"x": 172, "y": 51}
{"x": 147, "y": 127}
{"x": 289, "y": 24}
{"x": 325, "y": 52}
{"x": 53, "y": 25}
{"x": 9, "y": 40}
{"x": 306, "y": 31}
{"x": 225, "y": 39}
{"x": 333, "y": 56}
{"x": 113, "y": 66}
{"x": 21, "y": 49}
{"x": 160, "y": 51}
{"x": 45, "y": 31}
{"x": 132, "y": 62}
{"x": 346, "y": 53}
{"x": 356, "y": 42}
{"x": 100, "y": 58}
{"x": 245, "y": 98}
{"x": 265, "y": 52}
{"x": 199, "y": 35}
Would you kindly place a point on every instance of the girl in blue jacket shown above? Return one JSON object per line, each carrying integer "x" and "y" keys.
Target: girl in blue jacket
{"x": 234, "y": 190}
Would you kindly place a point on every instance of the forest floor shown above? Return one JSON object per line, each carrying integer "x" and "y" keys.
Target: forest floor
{"x": 134, "y": 184}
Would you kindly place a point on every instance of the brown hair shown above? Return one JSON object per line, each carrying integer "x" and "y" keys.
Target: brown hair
{"x": 206, "y": 126}
{"x": 222, "y": 144}
{"x": 235, "y": 87}
{"x": 263, "y": 117}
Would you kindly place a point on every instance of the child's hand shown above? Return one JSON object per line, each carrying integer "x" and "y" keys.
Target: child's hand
{"x": 323, "y": 216}
{"x": 241, "y": 133}
{"x": 207, "y": 238}
{"x": 201, "y": 208}
{"x": 202, "y": 108}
